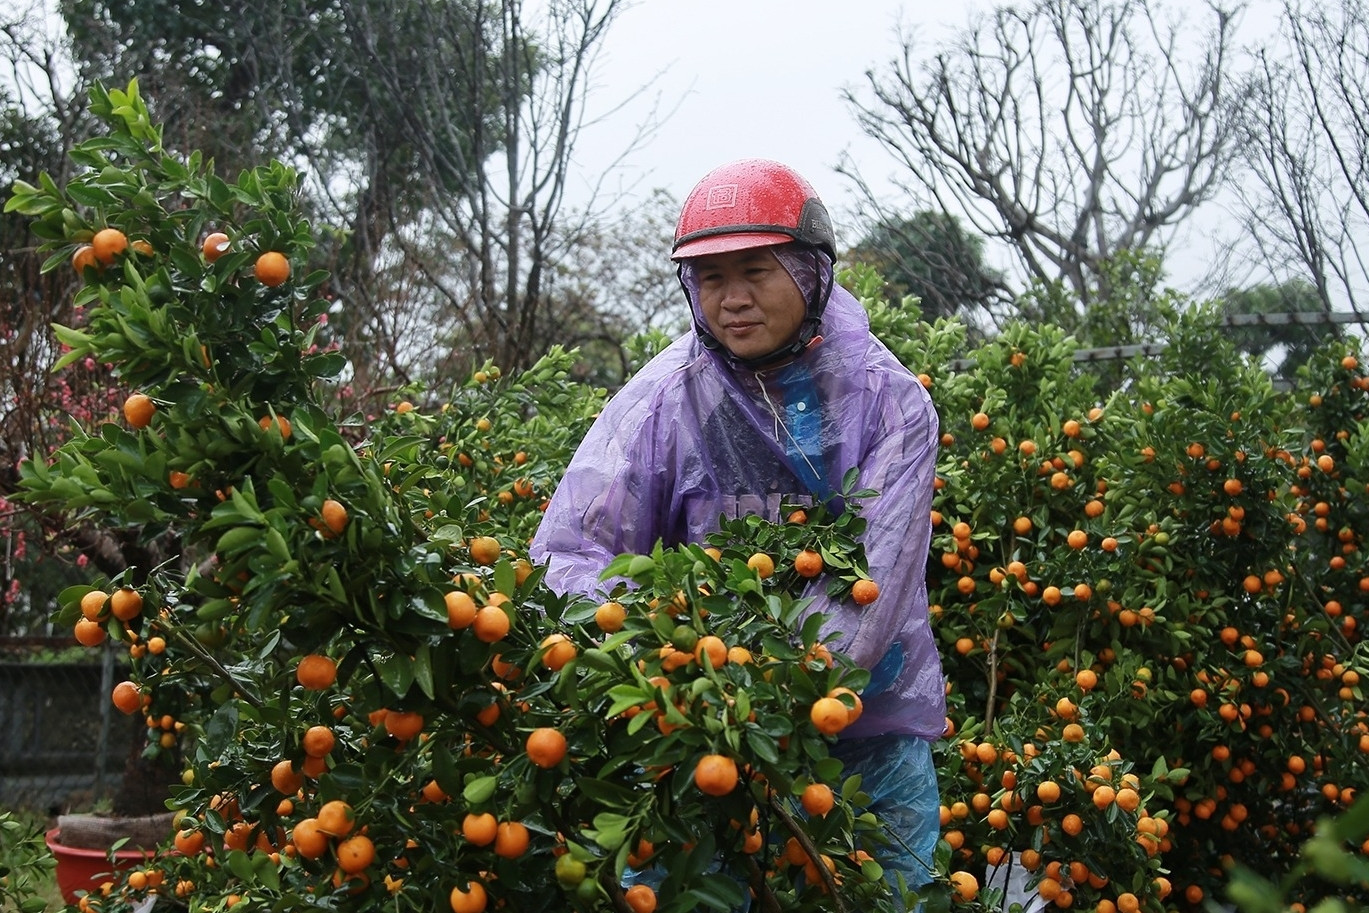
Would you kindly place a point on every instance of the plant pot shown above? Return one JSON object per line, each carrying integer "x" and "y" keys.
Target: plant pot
{"x": 81, "y": 869}
{"x": 86, "y": 866}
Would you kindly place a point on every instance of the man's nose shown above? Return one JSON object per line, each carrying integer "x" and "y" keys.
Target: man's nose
{"x": 735, "y": 293}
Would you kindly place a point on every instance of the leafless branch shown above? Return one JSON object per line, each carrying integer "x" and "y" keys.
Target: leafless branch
{"x": 1305, "y": 152}
{"x": 1067, "y": 131}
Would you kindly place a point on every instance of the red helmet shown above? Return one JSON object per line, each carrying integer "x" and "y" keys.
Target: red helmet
{"x": 751, "y": 203}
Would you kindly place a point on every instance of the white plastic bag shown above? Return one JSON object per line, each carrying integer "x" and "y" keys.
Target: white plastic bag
{"x": 1011, "y": 877}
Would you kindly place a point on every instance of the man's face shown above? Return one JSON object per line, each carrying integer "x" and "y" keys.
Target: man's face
{"x": 749, "y": 301}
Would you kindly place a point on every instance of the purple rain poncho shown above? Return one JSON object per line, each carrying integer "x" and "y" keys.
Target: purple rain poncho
{"x": 691, "y": 437}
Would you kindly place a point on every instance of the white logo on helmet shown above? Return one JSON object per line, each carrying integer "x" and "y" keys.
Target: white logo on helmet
{"x": 723, "y": 196}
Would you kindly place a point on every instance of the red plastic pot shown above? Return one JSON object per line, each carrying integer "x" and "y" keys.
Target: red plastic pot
{"x": 81, "y": 869}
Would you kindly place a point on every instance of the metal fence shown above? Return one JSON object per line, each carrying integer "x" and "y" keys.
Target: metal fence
{"x": 1151, "y": 349}
{"x": 62, "y": 746}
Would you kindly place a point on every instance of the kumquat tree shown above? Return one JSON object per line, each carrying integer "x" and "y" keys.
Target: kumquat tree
{"x": 378, "y": 702}
{"x": 1151, "y": 604}
{"x": 1151, "y": 601}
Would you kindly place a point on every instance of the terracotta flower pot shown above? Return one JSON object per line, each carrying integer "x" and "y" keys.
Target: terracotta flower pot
{"x": 82, "y": 869}
{"x": 83, "y": 857}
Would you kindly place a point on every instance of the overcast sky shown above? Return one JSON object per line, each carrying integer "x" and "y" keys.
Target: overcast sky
{"x": 741, "y": 78}
{"x": 746, "y": 78}
{"x": 734, "y": 79}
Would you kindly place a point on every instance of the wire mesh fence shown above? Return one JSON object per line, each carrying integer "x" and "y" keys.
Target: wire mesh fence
{"x": 62, "y": 745}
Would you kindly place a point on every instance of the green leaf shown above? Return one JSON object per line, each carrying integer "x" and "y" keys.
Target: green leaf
{"x": 812, "y": 628}
{"x": 624, "y": 697}
{"x": 275, "y": 544}
{"x": 423, "y": 671}
{"x": 449, "y": 532}
{"x": 828, "y": 769}
{"x": 718, "y": 891}
{"x": 832, "y": 559}
{"x": 505, "y": 578}
{"x": 1353, "y": 824}
{"x": 765, "y": 747}
{"x": 610, "y": 829}
{"x": 617, "y": 567}
{"x": 598, "y": 660}
{"x": 1253, "y": 894}
{"x": 237, "y": 540}
{"x": 348, "y": 777}
{"x": 663, "y": 625}
{"x": 480, "y": 790}
{"x": 396, "y": 672}
{"x": 635, "y": 724}
{"x": 326, "y": 364}
{"x": 266, "y": 872}
{"x": 90, "y": 196}
{"x": 222, "y": 727}
{"x": 26, "y": 199}
{"x": 335, "y": 589}
{"x": 607, "y": 793}
{"x": 241, "y": 866}
{"x": 75, "y": 339}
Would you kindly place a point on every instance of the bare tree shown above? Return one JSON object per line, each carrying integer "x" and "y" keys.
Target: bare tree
{"x": 486, "y": 225}
{"x": 1068, "y": 130}
{"x": 619, "y": 283}
{"x": 1304, "y": 141}
{"x": 453, "y": 178}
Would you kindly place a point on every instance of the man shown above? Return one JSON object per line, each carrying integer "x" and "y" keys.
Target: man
{"x": 779, "y": 390}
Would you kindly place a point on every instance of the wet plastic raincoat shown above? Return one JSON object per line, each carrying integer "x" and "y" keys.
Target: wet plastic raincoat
{"x": 693, "y": 436}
